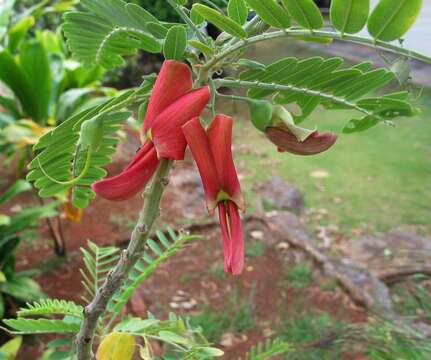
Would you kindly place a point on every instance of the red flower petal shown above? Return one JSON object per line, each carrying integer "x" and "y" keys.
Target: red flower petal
{"x": 315, "y": 143}
{"x": 173, "y": 81}
{"x": 197, "y": 139}
{"x": 220, "y": 140}
{"x": 227, "y": 244}
{"x": 233, "y": 237}
{"x": 237, "y": 240}
{"x": 168, "y": 138}
{"x": 132, "y": 180}
{"x": 140, "y": 153}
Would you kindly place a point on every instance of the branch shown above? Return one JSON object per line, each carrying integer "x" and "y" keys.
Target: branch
{"x": 324, "y": 34}
{"x": 391, "y": 276}
{"x": 135, "y": 250}
{"x": 295, "y": 89}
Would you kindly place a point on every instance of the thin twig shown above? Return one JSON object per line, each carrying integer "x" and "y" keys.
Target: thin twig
{"x": 324, "y": 34}
{"x": 128, "y": 259}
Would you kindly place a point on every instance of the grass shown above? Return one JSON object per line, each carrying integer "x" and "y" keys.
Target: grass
{"x": 237, "y": 317}
{"x": 255, "y": 249}
{"x": 301, "y": 275}
{"x": 301, "y": 330}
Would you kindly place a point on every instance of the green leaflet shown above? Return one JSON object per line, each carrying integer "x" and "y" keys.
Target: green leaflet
{"x": 222, "y": 22}
{"x": 305, "y": 12}
{"x": 349, "y": 16}
{"x": 271, "y": 13}
{"x": 237, "y": 11}
{"x": 205, "y": 49}
{"x": 390, "y": 20}
{"x": 197, "y": 18}
{"x": 175, "y": 43}
{"x": 363, "y": 124}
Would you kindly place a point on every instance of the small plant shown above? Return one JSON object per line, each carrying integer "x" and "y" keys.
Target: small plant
{"x": 301, "y": 275}
{"x": 17, "y": 286}
{"x": 302, "y": 330}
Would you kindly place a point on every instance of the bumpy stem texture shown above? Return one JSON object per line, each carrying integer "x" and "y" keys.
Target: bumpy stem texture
{"x": 129, "y": 257}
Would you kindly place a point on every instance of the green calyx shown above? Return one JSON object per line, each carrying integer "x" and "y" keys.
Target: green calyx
{"x": 91, "y": 135}
{"x": 261, "y": 112}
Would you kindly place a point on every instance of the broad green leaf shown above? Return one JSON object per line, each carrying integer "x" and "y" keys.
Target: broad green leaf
{"x": 222, "y": 22}
{"x": 305, "y": 12}
{"x": 349, "y": 16}
{"x": 390, "y": 20}
{"x": 35, "y": 64}
{"x": 175, "y": 43}
{"x": 18, "y": 187}
{"x": 13, "y": 76}
{"x": 116, "y": 346}
{"x": 6, "y": 7}
{"x": 237, "y": 10}
{"x": 22, "y": 288}
{"x": 19, "y": 31}
{"x": 270, "y": 12}
{"x": 10, "y": 349}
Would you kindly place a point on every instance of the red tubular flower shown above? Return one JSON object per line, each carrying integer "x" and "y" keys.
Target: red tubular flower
{"x": 286, "y": 141}
{"x": 173, "y": 102}
{"x": 212, "y": 151}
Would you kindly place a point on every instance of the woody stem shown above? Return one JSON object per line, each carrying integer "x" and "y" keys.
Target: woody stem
{"x": 135, "y": 250}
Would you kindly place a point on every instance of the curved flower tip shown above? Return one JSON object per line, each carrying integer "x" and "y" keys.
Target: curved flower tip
{"x": 314, "y": 144}
{"x": 132, "y": 179}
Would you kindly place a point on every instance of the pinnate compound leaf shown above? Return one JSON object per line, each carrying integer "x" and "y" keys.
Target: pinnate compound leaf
{"x": 305, "y": 12}
{"x": 271, "y": 12}
{"x": 110, "y": 29}
{"x": 221, "y": 21}
{"x": 390, "y": 20}
{"x": 349, "y": 16}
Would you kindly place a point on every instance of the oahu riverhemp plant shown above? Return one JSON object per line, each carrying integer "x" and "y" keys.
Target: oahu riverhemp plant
{"x": 72, "y": 156}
